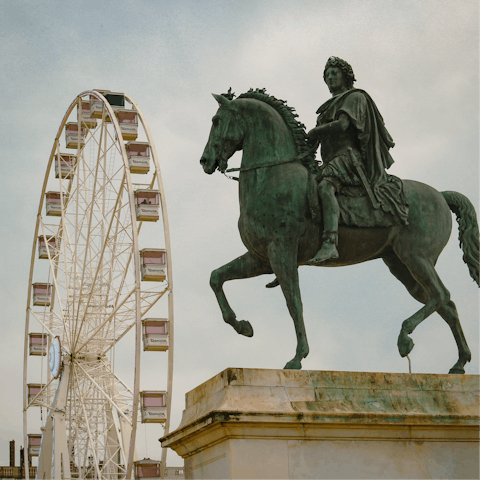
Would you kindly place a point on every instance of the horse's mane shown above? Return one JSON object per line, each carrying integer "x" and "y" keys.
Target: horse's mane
{"x": 289, "y": 116}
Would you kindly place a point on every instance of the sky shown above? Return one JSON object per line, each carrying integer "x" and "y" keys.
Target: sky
{"x": 418, "y": 61}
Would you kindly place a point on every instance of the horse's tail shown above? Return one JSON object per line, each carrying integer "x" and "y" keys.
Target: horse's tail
{"x": 468, "y": 233}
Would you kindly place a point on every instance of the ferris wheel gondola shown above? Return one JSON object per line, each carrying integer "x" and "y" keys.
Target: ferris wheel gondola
{"x": 101, "y": 264}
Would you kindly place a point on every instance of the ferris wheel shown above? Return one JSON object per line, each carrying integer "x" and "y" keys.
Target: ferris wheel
{"x": 100, "y": 297}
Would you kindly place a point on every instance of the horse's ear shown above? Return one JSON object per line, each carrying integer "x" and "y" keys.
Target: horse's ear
{"x": 222, "y": 101}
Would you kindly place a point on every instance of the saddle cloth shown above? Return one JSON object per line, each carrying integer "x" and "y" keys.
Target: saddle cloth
{"x": 354, "y": 211}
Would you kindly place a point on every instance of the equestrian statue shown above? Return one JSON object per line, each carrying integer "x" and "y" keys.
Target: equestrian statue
{"x": 345, "y": 211}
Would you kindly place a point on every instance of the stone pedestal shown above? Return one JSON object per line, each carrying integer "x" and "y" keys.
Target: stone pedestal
{"x": 252, "y": 423}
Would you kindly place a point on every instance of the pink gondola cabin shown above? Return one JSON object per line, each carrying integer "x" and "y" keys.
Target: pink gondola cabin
{"x": 153, "y": 264}
{"x": 33, "y": 390}
{"x": 72, "y": 137}
{"x": 147, "y": 205}
{"x": 46, "y": 247}
{"x": 38, "y": 343}
{"x": 138, "y": 154}
{"x": 128, "y": 122}
{"x": 85, "y": 116}
{"x": 65, "y": 165}
{"x": 146, "y": 469}
{"x": 155, "y": 334}
{"x": 53, "y": 205}
{"x": 96, "y": 105}
{"x": 153, "y": 406}
{"x": 34, "y": 443}
{"x": 42, "y": 294}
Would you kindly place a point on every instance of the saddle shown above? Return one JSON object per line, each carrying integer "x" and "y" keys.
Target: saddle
{"x": 355, "y": 211}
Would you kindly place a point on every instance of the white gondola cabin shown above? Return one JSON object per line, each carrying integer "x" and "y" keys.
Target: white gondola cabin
{"x": 147, "y": 205}
{"x": 33, "y": 390}
{"x": 53, "y": 203}
{"x": 153, "y": 406}
{"x": 38, "y": 343}
{"x": 128, "y": 122}
{"x": 34, "y": 443}
{"x": 96, "y": 105}
{"x": 42, "y": 294}
{"x": 153, "y": 264}
{"x": 65, "y": 165}
{"x": 47, "y": 247}
{"x": 85, "y": 115}
{"x": 138, "y": 154}
{"x": 155, "y": 334}
{"x": 72, "y": 136}
{"x": 146, "y": 469}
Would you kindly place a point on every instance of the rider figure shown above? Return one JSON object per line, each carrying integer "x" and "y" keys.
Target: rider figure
{"x": 350, "y": 128}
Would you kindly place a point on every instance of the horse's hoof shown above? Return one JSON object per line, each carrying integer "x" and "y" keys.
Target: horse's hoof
{"x": 457, "y": 370}
{"x": 244, "y": 328}
{"x": 293, "y": 364}
{"x": 273, "y": 284}
{"x": 405, "y": 344}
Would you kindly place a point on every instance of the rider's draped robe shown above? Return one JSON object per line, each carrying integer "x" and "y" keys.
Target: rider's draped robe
{"x": 373, "y": 142}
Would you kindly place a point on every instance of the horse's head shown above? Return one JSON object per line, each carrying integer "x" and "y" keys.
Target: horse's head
{"x": 226, "y": 136}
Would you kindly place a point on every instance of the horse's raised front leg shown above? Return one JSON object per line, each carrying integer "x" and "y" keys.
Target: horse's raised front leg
{"x": 246, "y": 266}
{"x": 284, "y": 265}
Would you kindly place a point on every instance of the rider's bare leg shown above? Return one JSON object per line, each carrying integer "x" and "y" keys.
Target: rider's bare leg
{"x": 331, "y": 212}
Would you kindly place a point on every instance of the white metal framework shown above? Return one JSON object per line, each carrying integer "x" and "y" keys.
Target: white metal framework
{"x": 90, "y": 257}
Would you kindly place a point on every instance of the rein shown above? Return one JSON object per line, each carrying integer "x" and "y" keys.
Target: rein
{"x": 264, "y": 165}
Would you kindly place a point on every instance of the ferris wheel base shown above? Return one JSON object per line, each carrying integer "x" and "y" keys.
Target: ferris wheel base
{"x": 54, "y": 460}
{"x": 54, "y": 457}
{"x": 253, "y": 423}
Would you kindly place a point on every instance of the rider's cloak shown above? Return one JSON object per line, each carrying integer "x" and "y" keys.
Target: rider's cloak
{"x": 374, "y": 142}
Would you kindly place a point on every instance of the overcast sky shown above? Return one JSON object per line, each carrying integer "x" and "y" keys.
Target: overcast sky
{"x": 419, "y": 62}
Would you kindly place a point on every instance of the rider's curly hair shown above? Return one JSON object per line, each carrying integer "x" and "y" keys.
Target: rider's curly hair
{"x": 344, "y": 66}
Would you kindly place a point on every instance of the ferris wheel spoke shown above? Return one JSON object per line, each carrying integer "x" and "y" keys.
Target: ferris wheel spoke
{"x": 110, "y": 244}
{"x": 116, "y": 313}
{"x": 101, "y": 390}
{"x": 146, "y": 305}
{"x": 101, "y": 256}
{"x": 85, "y": 257}
{"x": 39, "y": 399}
{"x": 45, "y": 325}
{"x": 119, "y": 380}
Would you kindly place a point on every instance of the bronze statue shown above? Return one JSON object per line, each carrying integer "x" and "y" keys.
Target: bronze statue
{"x": 406, "y": 224}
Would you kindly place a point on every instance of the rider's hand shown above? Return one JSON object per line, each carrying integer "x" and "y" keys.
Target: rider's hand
{"x": 313, "y": 136}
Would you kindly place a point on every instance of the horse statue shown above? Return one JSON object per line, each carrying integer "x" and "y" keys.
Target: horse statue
{"x": 279, "y": 227}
